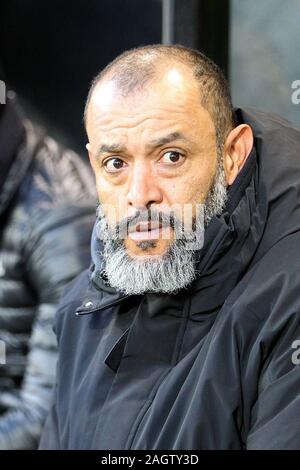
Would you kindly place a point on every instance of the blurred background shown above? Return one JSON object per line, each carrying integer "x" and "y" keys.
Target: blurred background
{"x": 51, "y": 50}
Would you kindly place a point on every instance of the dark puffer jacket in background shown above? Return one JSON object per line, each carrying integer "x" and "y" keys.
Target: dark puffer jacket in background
{"x": 47, "y": 209}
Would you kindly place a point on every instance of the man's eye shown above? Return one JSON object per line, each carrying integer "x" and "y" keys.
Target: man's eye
{"x": 113, "y": 165}
{"x": 172, "y": 157}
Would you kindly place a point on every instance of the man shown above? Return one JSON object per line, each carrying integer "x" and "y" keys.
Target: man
{"x": 47, "y": 211}
{"x": 180, "y": 342}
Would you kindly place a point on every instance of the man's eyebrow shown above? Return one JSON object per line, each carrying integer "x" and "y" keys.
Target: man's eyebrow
{"x": 168, "y": 139}
{"x": 110, "y": 148}
{"x": 119, "y": 147}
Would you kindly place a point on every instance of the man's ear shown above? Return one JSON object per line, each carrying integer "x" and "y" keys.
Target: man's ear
{"x": 237, "y": 148}
{"x": 92, "y": 161}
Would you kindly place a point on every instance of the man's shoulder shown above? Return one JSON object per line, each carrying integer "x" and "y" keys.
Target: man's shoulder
{"x": 267, "y": 298}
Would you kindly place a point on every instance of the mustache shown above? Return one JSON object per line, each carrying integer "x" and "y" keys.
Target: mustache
{"x": 165, "y": 220}
{"x": 120, "y": 230}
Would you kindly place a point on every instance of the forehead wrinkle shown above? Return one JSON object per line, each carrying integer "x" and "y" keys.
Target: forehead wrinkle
{"x": 106, "y": 117}
{"x": 119, "y": 132}
{"x": 132, "y": 121}
{"x": 173, "y": 136}
{"x": 117, "y": 125}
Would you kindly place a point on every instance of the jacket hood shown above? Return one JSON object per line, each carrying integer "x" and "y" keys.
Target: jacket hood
{"x": 261, "y": 209}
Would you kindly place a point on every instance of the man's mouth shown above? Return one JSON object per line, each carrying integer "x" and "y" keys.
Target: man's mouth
{"x": 146, "y": 226}
{"x": 147, "y": 231}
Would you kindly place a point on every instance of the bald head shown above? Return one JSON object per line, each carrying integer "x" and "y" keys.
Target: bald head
{"x": 134, "y": 70}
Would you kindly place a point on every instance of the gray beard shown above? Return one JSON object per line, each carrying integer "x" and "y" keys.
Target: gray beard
{"x": 173, "y": 270}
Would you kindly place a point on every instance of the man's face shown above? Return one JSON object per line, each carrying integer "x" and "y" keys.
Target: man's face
{"x": 155, "y": 149}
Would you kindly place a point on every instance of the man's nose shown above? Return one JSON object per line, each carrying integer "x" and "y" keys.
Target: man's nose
{"x": 143, "y": 187}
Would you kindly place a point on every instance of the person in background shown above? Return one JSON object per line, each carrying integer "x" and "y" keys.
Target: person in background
{"x": 47, "y": 209}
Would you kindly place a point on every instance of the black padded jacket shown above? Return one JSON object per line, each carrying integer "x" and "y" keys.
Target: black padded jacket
{"x": 47, "y": 208}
